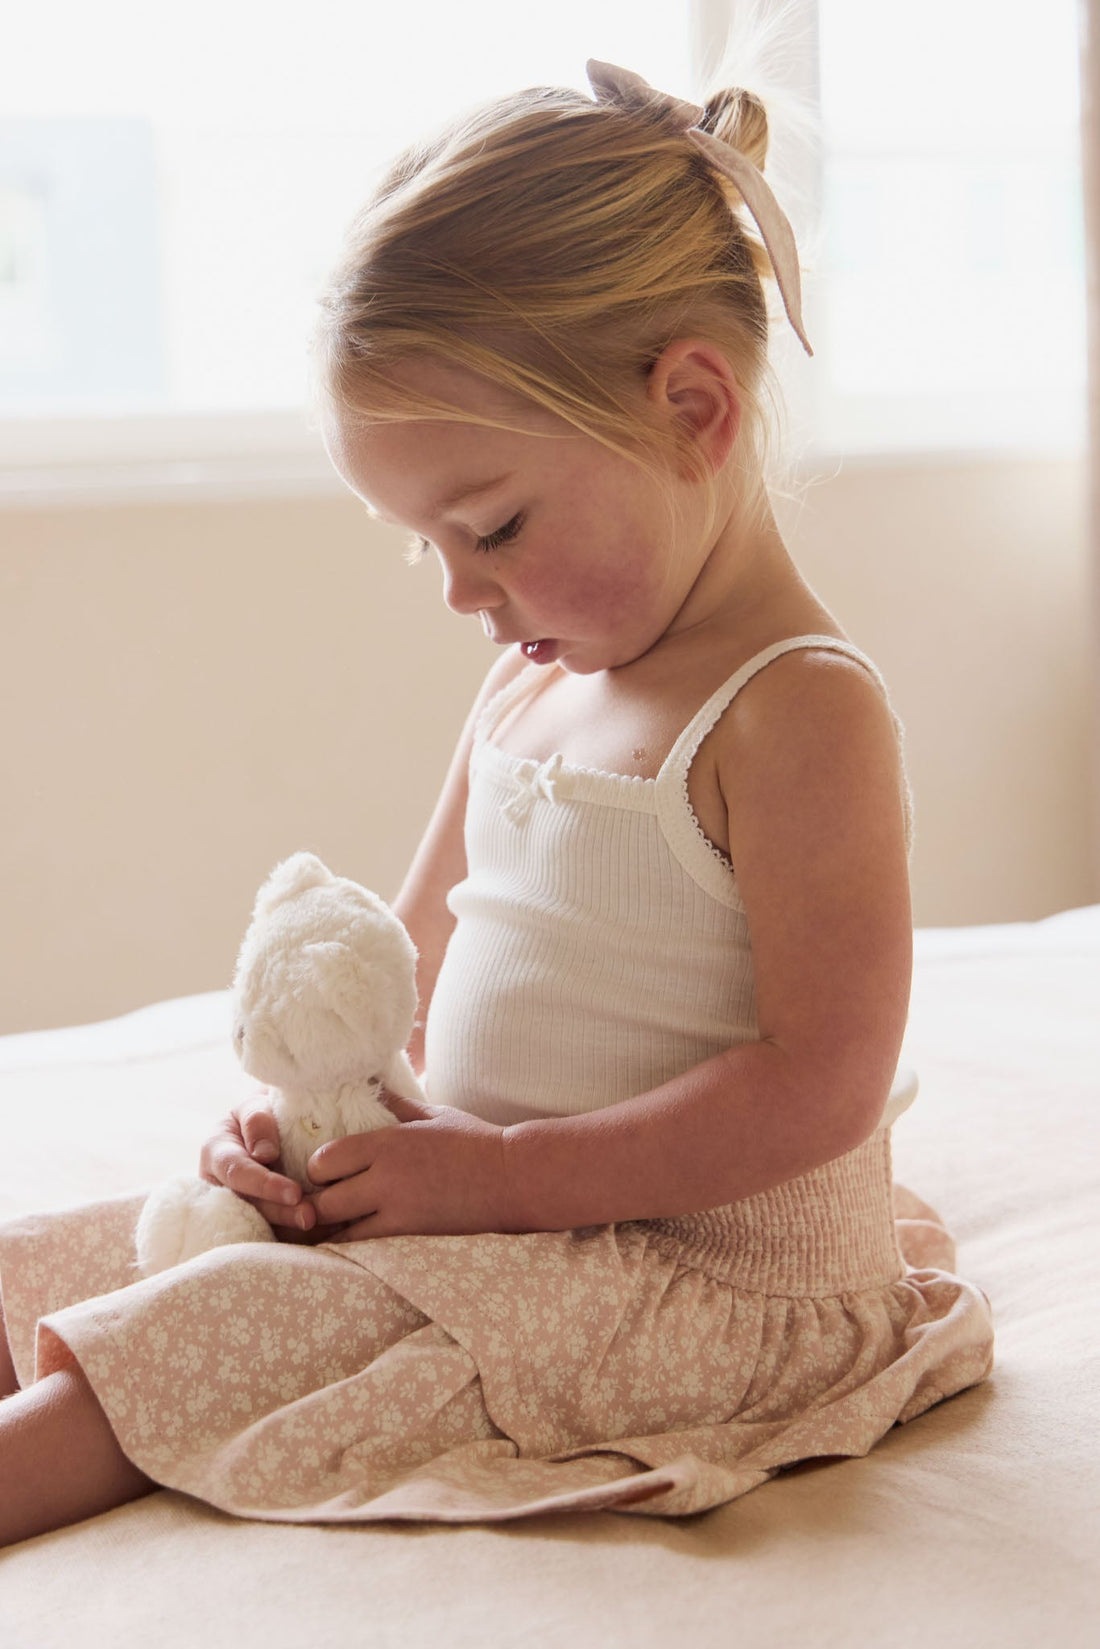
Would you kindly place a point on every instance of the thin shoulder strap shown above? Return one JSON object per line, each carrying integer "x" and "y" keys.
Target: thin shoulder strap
{"x": 529, "y": 681}
{"x": 679, "y": 824}
{"x": 683, "y": 751}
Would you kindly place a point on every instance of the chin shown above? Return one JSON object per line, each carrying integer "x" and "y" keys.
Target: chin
{"x": 588, "y": 662}
{"x": 596, "y": 666}
{"x": 589, "y": 658}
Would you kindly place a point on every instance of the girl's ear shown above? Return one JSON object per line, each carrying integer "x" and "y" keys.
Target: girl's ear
{"x": 693, "y": 384}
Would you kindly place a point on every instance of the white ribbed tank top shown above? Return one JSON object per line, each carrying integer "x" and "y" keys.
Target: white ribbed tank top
{"x": 601, "y": 946}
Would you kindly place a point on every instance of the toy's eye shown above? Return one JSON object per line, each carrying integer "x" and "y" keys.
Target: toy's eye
{"x": 238, "y": 1035}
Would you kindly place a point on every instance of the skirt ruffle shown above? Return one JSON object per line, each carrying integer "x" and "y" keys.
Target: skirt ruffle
{"x": 479, "y": 1378}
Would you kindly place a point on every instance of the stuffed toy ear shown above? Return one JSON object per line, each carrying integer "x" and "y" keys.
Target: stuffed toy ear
{"x": 294, "y": 876}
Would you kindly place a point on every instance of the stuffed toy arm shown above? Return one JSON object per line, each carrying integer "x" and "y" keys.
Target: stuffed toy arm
{"x": 324, "y": 999}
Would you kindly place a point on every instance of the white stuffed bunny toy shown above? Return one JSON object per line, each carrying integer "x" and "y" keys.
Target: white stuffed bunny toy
{"x": 324, "y": 999}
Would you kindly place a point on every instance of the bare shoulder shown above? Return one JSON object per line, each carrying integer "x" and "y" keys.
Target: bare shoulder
{"x": 809, "y": 711}
{"x": 810, "y": 774}
{"x": 811, "y": 739}
{"x": 813, "y": 682}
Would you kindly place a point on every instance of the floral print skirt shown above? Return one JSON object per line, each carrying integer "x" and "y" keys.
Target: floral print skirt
{"x": 480, "y": 1378}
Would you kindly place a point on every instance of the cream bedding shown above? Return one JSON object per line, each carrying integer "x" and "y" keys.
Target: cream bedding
{"x": 977, "y": 1524}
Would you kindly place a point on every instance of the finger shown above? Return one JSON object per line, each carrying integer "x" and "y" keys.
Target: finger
{"x": 300, "y": 1218}
{"x": 228, "y": 1134}
{"x": 408, "y": 1110}
{"x": 260, "y": 1133}
{"x": 358, "y": 1231}
{"x": 225, "y": 1163}
{"x": 318, "y": 1234}
{"x": 348, "y": 1199}
{"x": 341, "y": 1157}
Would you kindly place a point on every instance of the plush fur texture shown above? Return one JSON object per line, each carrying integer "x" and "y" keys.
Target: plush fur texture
{"x": 324, "y": 999}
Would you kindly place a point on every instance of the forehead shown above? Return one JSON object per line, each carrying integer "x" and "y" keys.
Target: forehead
{"x": 398, "y": 467}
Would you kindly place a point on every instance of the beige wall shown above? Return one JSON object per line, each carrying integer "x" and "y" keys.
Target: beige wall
{"x": 1089, "y": 35}
{"x": 193, "y": 691}
{"x": 969, "y": 583}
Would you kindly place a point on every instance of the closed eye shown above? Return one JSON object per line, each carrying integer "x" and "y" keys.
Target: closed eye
{"x": 503, "y": 535}
{"x": 417, "y": 547}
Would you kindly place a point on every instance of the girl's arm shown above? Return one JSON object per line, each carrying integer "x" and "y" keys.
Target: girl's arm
{"x": 809, "y": 767}
{"x": 244, "y": 1149}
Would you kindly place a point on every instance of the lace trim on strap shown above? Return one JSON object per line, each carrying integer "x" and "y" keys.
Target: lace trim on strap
{"x": 502, "y": 701}
{"x": 704, "y": 862}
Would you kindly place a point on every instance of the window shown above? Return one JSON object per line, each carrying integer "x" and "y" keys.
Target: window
{"x": 173, "y": 192}
{"x": 950, "y": 307}
{"x": 174, "y": 184}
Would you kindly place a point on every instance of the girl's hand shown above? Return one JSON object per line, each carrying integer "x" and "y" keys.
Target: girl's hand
{"x": 244, "y": 1155}
{"x": 441, "y": 1172}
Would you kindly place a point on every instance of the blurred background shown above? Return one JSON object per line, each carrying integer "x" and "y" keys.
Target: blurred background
{"x": 210, "y": 656}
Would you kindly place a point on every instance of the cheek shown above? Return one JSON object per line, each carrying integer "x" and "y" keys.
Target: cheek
{"x": 609, "y": 591}
{"x": 613, "y": 582}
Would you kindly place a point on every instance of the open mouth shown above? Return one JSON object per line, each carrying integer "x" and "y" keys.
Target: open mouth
{"x": 540, "y": 652}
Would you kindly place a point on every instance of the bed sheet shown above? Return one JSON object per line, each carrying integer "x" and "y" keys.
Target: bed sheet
{"x": 978, "y": 1524}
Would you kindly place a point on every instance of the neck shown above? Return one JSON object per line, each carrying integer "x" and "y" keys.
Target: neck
{"x": 748, "y": 592}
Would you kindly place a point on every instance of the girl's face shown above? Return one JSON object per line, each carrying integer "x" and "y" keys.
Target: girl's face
{"x": 558, "y": 544}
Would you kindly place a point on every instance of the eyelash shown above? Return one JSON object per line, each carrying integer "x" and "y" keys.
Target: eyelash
{"x": 503, "y": 535}
{"x": 418, "y": 547}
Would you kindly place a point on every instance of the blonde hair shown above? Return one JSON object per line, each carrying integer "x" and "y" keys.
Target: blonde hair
{"x": 556, "y": 246}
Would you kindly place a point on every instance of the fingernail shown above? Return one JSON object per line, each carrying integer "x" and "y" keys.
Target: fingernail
{"x": 265, "y": 1151}
{"x": 290, "y": 1196}
{"x": 301, "y": 1220}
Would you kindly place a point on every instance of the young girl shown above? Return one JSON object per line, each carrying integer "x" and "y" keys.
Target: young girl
{"x": 640, "y": 1251}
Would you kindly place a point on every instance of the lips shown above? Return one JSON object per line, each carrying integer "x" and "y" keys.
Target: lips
{"x": 540, "y": 652}
{"x": 544, "y": 651}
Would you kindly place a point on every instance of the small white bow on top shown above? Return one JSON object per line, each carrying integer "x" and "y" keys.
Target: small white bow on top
{"x": 529, "y": 785}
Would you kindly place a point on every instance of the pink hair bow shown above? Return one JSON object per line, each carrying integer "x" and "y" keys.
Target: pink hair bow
{"x": 621, "y": 86}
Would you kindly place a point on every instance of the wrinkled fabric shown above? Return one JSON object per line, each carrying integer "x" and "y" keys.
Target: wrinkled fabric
{"x": 482, "y": 1377}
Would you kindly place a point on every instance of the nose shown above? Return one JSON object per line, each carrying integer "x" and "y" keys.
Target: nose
{"x": 468, "y": 588}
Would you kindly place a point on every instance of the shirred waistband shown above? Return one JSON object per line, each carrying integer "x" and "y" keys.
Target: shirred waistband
{"x": 830, "y": 1231}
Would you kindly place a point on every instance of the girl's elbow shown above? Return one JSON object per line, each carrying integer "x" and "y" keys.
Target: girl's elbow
{"x": 857, "y": 1104}
{"x": 842, "y": 1098}
{"x": 836, "y": 1101}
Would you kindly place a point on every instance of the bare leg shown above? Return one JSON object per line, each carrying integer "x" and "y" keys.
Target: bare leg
{"x": 59, "y": 1459}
